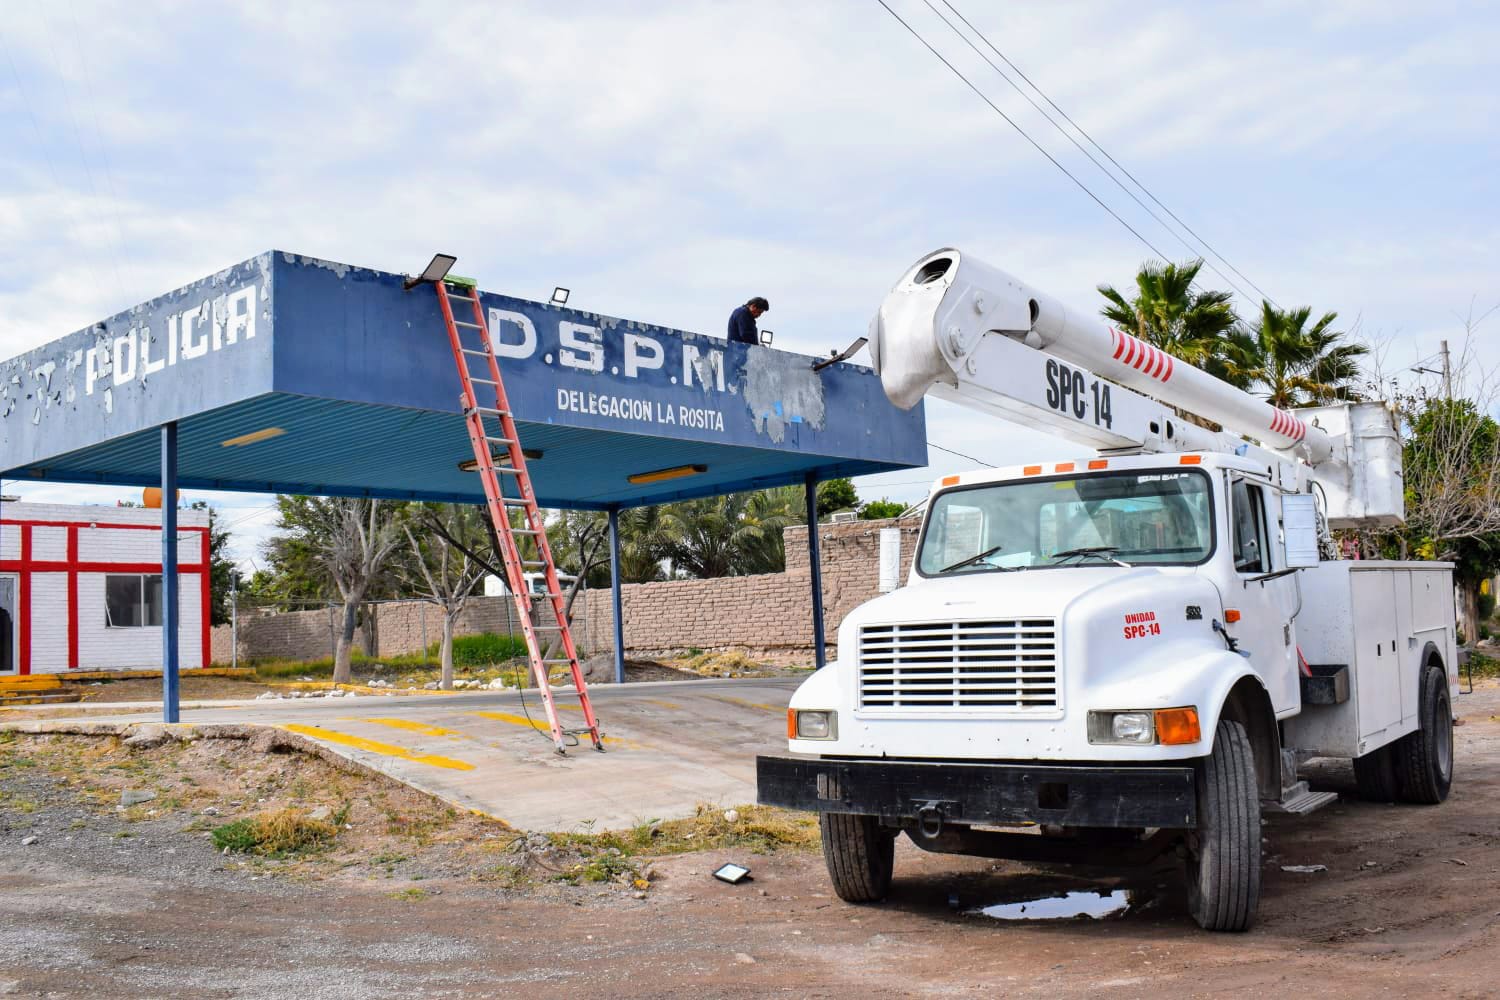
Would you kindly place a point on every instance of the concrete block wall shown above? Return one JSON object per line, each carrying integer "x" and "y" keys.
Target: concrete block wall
{"x": 769, "y": 614}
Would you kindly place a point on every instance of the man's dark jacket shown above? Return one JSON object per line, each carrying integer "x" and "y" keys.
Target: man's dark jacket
{"x": 742, "y": 326}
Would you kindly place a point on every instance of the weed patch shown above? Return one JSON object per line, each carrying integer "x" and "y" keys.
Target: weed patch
{"x": 275, "y": 834}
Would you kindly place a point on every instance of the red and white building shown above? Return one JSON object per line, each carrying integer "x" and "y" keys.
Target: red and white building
{"x": 80, "y": 588}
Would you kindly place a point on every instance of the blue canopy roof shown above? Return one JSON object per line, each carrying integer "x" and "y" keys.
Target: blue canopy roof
{"x": 295, "y": 375}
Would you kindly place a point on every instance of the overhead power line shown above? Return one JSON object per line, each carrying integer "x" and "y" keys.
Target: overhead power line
{"x": 1103, "y": 152}
{"x": 1196, "y": 251}
{"x": 1024, "y": 134}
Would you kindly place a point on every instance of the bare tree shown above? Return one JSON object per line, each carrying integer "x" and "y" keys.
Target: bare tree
{"x": 1452, "y": 474}
{"x": 354, "y": 538}
{"x": 443, "y": 572}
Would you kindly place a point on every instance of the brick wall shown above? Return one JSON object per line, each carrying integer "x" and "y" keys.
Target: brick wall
{"x": 770, "y": 614}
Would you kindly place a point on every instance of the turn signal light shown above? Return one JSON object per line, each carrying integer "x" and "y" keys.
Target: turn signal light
{"x": 1231, "y": 615}
{"x": 1176, "y": 726}
{"x": 791, "y": 723}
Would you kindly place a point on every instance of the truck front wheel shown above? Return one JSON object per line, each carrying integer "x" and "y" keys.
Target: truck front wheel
{"x": 860, "y": 855}
{"x": 1224, "y": 858}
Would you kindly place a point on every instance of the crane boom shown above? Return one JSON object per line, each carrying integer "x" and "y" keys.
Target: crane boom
{"x": 959, "y": 329}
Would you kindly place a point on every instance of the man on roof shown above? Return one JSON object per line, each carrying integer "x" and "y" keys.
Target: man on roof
{"x": 742, "y": 321}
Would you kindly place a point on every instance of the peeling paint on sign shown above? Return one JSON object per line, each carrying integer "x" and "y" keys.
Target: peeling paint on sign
{"x": 781, "y": 389}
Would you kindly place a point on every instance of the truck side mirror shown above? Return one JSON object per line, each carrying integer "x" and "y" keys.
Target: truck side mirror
{"x": 1299, "y": 526}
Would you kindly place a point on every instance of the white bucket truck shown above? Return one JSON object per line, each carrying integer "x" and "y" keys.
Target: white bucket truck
{"x": 1109, "y": 658}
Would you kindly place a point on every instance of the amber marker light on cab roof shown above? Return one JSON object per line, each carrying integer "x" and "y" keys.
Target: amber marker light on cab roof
{"x": 1099, "y": 463}
{"x": 1190, "y": 460}
{"x": 1176, "y": 726}
{"x": 1064, "y": 467}
{"x": 1031, "y": 470}
{"x": 949, "y": 481}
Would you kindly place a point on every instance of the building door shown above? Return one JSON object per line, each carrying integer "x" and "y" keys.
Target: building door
{"x": 9, "y": 623}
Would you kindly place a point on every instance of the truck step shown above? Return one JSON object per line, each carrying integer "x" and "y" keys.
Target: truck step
{"x": 1299, "y": 800}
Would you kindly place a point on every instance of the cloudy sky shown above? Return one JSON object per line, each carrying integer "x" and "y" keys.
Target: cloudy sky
{"x": 666, "y": 161}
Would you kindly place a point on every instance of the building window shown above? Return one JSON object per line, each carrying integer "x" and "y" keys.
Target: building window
{"x": 132, "y": 601}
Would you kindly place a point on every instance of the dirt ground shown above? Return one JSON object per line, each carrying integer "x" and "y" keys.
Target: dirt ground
{"x": 417, "y": 901}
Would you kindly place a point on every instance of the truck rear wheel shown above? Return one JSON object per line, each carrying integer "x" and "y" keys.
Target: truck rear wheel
{"x": 1424, "y": 759}
{"x": 1224, "y": 860}
{"x": 860, "y": 854}
{"x": 1375, "y": 775}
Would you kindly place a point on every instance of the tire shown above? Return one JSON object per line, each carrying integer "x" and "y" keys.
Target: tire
{"x": 1424, "y": 759}
{"x": 1375, "y": 775}
{"x": 1223, "y": 869}
{"x": 860, "y": 856}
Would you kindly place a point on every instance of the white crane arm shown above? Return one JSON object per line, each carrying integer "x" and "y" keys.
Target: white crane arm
{"x": 964, "y": 331}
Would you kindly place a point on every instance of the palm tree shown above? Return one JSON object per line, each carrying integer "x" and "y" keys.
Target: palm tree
{"x": 1166, "y": 312}
{"x": 1294, "y": 364}
{"x": 762, "y": 548}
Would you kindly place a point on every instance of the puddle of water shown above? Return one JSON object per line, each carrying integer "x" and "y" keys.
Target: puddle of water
{"x": 1067, "y": 907}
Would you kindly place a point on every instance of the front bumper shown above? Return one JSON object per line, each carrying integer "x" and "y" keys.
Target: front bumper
{"x": 983, "y": 794}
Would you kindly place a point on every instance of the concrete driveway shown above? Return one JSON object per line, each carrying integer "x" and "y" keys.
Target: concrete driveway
{"x": 670, "y": 746}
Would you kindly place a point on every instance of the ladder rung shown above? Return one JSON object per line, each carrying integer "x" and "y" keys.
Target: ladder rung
{"x": 563, "y": 660}
{"x": 491, "y": 410}
{"x": 524, "y": 531}
{"x": 495, "y": 440}
{"x": 477, "y": 354}
{"x": 546, "y": 628}
{"x": 532, "y": 562}
{"x": 471, "y": 326}
{"x": 514, "y": 502}
{"x": 578, "y": 732}
{"x": 483, "y": 381}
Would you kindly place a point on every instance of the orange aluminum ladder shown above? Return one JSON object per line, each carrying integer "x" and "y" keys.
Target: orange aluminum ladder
{"x": 498, "y": 454}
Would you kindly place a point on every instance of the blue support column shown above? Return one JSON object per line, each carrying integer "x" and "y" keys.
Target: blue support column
{"x": 170, "y": 616}
{"x": 614, "y": 593}
{"x": 815, "y": 565}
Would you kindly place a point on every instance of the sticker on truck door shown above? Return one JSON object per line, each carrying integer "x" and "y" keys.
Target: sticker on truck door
{"x": 1140, "y": 624}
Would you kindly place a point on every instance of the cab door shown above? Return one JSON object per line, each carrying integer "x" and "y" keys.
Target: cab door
{"x": 1265, "y": 601}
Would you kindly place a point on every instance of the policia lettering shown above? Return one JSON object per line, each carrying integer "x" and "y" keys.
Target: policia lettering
{"x": 1068, "y": 392}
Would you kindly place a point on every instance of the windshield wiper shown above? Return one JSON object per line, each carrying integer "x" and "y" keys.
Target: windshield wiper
{"x": 971, "y": 560}
{"x": 1105, "y": 552}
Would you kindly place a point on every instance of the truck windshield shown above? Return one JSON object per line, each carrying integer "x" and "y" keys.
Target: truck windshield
{"x": 1149, "y": 517}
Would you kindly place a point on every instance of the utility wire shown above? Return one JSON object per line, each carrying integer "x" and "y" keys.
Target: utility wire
{"x": 1011, "y": 122}
{"x": 1106, "y": 155}
{"x": 1078, "y": 145}
{"x": 960, "y": 454}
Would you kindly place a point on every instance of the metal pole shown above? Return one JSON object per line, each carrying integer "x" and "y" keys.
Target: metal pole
{"x": 1447, "y": 374}
{"x": 234, "y": 621}
{"x": 614, "y": 593}
{"x": 815, "y": 567}
{"x": 169, "y": 609}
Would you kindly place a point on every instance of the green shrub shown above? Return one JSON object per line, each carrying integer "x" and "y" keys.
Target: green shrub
{"x": 1486, "y": 606}
{"x": 485, "y": 649}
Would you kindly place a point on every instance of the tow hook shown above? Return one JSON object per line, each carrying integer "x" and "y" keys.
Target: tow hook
{"x": 930, "y": 815}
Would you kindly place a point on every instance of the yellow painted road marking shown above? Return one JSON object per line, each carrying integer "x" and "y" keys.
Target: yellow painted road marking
{"x": 409, "y": 726}
{"x": 665, "y": 704}
{"x": 748, "y": 704}
{"x": 374, "y": 746}
{"x": 540, "y": 725}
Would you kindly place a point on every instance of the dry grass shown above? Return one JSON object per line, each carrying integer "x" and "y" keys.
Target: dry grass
{"x": 276, "y": 834}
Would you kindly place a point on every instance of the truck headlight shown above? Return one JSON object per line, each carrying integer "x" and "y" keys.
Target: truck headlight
{"x": 1169, "y": 726}
{"x": 817, "y": 724}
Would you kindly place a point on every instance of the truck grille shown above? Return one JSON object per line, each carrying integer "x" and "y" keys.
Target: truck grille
{"x": 995, "y": 663}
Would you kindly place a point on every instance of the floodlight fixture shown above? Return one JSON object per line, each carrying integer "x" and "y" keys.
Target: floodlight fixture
{"x": 435, "y": 271}
{"x": 560, "y": 296}
{"x": 766, "y": 336}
